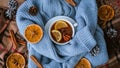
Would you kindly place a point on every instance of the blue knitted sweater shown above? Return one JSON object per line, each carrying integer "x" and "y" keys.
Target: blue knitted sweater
{"x": 88, "y": 33}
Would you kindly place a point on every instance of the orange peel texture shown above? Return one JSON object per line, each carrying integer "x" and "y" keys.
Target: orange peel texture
{"x": 83, "y": 63}
{"x": 33, "y": 33}
{"x": 106, "y": 12}
{"x": 15, "y": 60}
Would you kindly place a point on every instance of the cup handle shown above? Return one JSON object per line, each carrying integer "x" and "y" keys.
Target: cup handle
{"x": 75, "y": 24}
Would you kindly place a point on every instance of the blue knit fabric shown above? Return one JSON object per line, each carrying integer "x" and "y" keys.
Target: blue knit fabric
{"x": 88, "y": 33}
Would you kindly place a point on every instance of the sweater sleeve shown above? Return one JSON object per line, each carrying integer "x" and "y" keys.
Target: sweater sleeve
{"x": 84, "y": 40}
{"x": 86, "y": 12}
{"x": 102, "y": 56}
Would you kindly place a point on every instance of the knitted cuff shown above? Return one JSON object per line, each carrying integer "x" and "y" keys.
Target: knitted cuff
{"x": 85, "y": 36}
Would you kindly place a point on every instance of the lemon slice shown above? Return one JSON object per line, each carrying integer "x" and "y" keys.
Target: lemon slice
{"x": 15, "y": 60}
{"x": 60, "y": 24}
{"x": 57, "y": 35}
{"x": 33, "y": 33}
{"x": 83, "y": 63}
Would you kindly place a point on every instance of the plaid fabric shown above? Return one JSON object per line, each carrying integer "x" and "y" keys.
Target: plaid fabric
{"x": 6, "y": 43}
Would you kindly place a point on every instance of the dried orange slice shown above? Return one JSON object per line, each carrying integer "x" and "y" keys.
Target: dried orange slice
{"x": 33, "y": 33}
{"x": 57, "y": 35}
{"x": 60, "y": 24}
{"x": 83, "y": 63}
{"x": 15, "y": 60}
{"x": 106, "y": 12}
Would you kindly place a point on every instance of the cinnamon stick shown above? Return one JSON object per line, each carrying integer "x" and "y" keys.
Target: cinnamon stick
{"x": 22, "y": 42}
{"x": 71, "y": 2}
{"x": 36, "y": 61}
{"x": 13, "y": 39}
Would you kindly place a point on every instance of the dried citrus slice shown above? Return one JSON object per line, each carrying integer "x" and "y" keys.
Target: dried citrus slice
{"x": 15, "y": 60}
{"x": 83, "y": 63}
{"x": 57, "y": 35}
{"x": 33, "y": 33}
{"x": 60, "y": 24}
{"x": 106, "y": 12}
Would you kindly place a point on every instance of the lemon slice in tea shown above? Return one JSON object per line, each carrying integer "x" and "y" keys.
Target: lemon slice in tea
{"x": 83, "y": 63}
{"x": 33, "y": 33}
{"x": 57, "y": 35}
{"x": 15, "y": 60}
{"x": 60, "y": 24}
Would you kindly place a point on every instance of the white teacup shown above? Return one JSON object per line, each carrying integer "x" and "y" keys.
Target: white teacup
{"x": 52, "y": 21}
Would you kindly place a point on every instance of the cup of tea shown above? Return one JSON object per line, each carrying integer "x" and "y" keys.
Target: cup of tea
{"x": 61, "y": 29}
